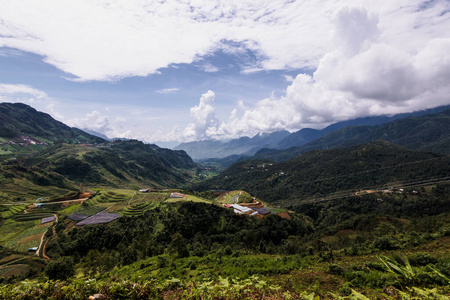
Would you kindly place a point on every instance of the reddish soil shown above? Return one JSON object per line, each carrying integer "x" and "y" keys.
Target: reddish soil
{"x": 285, "y": 215}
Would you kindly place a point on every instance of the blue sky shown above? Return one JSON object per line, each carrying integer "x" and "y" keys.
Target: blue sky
{"x": 190, "y": 70}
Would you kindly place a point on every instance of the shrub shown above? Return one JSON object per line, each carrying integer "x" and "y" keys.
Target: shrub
{"x": 335, "y": 269}
{"x": 421, "y": 259}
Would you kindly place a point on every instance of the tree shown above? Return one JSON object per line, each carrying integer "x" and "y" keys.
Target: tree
{"x": 60, "y": 268}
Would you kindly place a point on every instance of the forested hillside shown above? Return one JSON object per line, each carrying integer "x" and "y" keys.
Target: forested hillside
{"x": 425, "y": 133}
{"x": 323, "y": 172}
{"x": 121, "y": 164}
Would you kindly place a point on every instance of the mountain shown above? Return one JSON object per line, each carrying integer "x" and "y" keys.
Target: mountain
{"x": 119, "y": 164}
{"x": 219, "y": 149}
{"x": 323, "y": 172}
{"x": 18, "y": 120}
{"x": 307, "y": 135}
{"x": 424, "y": 133}
{"x": 41, "y": 157}
{"x": 97, "y": 134}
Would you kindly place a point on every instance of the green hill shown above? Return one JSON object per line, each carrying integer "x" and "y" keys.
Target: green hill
{"x": 323, "y": 172}
{"x": 424, "y": 133}
{"x": 128, "y": 163}
{"x": 19, "y": 119}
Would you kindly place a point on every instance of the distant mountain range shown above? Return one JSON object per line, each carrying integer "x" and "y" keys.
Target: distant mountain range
{"x": 423, "y": 130}
{"x": 97, "y": 134}
{"x": 220, "y": 149}
{"x": 424, "y": 133}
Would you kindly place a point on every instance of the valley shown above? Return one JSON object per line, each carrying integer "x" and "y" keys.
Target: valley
{"x": 128, "y": 220}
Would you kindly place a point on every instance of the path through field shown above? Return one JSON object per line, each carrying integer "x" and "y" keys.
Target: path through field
{"x": 42, "y": 239}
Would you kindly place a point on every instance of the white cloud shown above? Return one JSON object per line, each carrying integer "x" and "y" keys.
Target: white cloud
{"x": 103, "y": 40}
{"x": 26, "y": 94}
{"x": 209, "y": 68}
{"x": 362, "y": 76}
{"x": 168, "y": 91}
{"x": 17, "y": 90}
{"x": 99, "y": 123}
{"x": 204, "y": 116}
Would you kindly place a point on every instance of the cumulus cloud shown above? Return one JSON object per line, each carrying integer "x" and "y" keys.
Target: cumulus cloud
{"x": 99, "y": 123}
{"x": 205, "y": 121}
{"x": 362, "y": 76}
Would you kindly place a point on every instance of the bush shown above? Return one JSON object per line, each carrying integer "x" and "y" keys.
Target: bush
{"x": 61, "y": 268}
{"x": 421, "y": 259}
{"x": 335, "y": 269}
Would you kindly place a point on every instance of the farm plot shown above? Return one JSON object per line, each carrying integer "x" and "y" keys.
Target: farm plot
{"x": 32, "y": 215}
{"x": 136, "y": 210}
{"x": 28, "y": 238}
{"x": 101, "y": 217}
{"x": 135, "y": 202}
{"x": 90, "y": 211}
{"x": 10, "y": 210}
{"x": 48, "y": 219}
{"x": 77, "y": 217}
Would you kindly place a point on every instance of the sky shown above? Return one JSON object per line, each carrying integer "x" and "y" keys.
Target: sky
{"x": 179, "y": 70}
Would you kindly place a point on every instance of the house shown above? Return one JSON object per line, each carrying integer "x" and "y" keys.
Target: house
{"x": 241, "y": 209}
{"x": 176, "y": 195}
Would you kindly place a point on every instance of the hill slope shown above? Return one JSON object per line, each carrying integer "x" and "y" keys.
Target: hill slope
{"x": 424, "y": 133}
{"x": 19, "y": 119}
{"x": 318, "y": 173}
{"x": 119, "y": 164}
{"x": 306, "y": 135}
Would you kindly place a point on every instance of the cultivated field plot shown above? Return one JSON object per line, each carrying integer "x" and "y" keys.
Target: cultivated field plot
{"x": 139, "y": 202}
{"x": 48, "y": 219}
{"x": 10, "y": 210}
{"x": 77, "y": 217}
{"x": 101, "y": 217}
{"x": 27, "y": 238}
{"x": 188, "y": 198}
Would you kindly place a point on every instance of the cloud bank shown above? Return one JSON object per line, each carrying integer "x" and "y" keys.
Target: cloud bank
{"x": 363, "y": 76}
{"x": 109, "y": 40}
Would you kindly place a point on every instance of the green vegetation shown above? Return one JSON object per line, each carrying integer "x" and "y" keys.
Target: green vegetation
{"x": 38, "y": 125}
{"x": 341, "y": 237}
{"x": 424, "y": 133}
{"x": 341, "y": 171}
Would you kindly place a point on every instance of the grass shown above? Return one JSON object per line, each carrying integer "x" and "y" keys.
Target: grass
{"x": 11, "y": 229}
{"x": 90, "y": 211}
{"x": 188, "y": 198}
{"x": 16, "y": 244}
{"x": 11, "y": 210}
{"x": 69, "y": 210}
